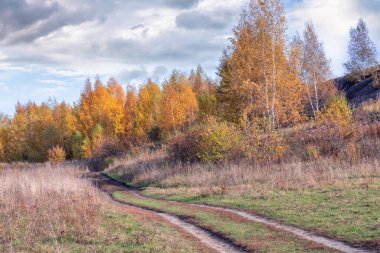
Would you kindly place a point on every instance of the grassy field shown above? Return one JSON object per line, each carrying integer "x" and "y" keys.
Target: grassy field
{"x": 351, "y": 215}
{"x": 250, "y": 235}
{"x": 336, "y": 199}
{"x": 51, "y": 209}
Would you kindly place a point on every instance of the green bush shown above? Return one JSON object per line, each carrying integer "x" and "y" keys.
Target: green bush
{"x": 210, "y": 142}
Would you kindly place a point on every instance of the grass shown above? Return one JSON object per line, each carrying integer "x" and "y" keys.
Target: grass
{"x": 334, "y": 198}
{"x": 251, "y": 235}
{"x": 52, "y": 209}
{"x": 120, "y": 233}
{"x": 351, "y": 215}
{"x": 372, "y": 106}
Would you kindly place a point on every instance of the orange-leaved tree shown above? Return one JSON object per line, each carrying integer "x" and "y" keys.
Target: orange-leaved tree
{"x": 148, "y": 108}
{"x": 179, "y": 106}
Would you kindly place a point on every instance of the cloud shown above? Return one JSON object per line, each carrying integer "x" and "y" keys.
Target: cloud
{"x": 133, "y": 74}
{"x": 182, "y": 4}
{"x": 23, "y": 21}
{"x": 70, "y": 40}
{"x": 16, "y": 15}
{"x": 159, "y": 72}
{"x": 217, "y": 19}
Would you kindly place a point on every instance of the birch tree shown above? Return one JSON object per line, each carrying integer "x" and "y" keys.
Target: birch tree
{"x": 362, "y": 53}
{"x": 315, "y": 66}
{"x": 255, "y": 71}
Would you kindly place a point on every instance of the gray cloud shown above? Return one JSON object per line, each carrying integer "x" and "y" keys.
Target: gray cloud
{"x": 139, "y": 26}
{"x": 181, "y": 4}
{"x": 18, "y": 14}
{"x": 133, "y": 74}
{"x": 23, "y": 21}
{"x": 217, "y": 19}
{"x": 159, "y": 71}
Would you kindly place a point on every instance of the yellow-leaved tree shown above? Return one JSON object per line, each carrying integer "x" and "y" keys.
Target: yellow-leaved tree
{"x": 179, "y": 106}
{"x": 148, "y": 108}
{"x": 130, "y": 111}
{"x": 257, "y": 82}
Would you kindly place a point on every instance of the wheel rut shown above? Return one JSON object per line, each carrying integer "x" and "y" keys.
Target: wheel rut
{"x": 206, "y": 238}
{"x": 301, "y": 233}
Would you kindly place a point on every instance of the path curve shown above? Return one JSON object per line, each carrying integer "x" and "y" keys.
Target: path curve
{"x": 205, "y": 237}
{"x": 304, "y": 234}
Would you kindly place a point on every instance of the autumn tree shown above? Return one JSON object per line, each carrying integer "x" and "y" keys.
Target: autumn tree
{"x": 116, "y": 107}
{"x": 84, "y": 109}
{"x": 17, "y": 146}
{"x": 179, "y": 106}
{"x": 255, "y": 71}
{"x": 65, "y": 123}
{"x": 102, "y": 104}
{"x": 130, "y": 112}
{"x": 205, "y": 90}
{"x": 4, "y": 135}
{"x": 362, "y": 53}
{"x": 76, "y": 145}
{"x": 148, "y": 108}
{"x": 316, "y": 69}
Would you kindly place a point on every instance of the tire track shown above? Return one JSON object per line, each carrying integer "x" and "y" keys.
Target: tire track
{"x": 210, "y": 240}
{"x": 301, "y": 233}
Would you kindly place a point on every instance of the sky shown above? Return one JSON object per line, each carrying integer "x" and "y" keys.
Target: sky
{"x": 49, "y": 47}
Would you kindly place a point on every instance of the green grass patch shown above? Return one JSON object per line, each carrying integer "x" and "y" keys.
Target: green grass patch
{"x": 252, "y": 235}
{"x": 350, "y": 213}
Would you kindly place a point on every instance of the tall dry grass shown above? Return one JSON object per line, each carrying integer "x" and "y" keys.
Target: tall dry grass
{"x": 46, "y": 205}
{"x": 155, "y": 169}
{"x": 372, "y": 106}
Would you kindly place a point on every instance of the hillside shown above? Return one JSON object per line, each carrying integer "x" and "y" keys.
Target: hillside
{"x": 367, "y": 88}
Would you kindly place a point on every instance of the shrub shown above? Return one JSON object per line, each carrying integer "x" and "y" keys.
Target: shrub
{"x": 261, "y": 143}
{"x": 312, "y": 152}
{"x": 155, "y": 134}
{"x": 103, "y": 152}
{"x": 334, "y": 125}
{"x": 219, "y": 140}
{"x": 57, "y": 154}
{"x": 336, "y": 118}
{"x": 210, "y": 142}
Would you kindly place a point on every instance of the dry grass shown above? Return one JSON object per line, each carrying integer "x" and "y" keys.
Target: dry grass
{"x": 154, "y": 169}
{"x": 373, "y": 106}
{"x": 46, "y": 204}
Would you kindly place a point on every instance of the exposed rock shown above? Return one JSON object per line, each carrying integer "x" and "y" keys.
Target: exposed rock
{"x": 358, "y": 92}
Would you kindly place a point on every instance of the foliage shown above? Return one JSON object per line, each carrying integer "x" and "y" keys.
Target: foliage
{"x": 265, "y": 87}
{"x": 220, "y": 140}
{"x": 209, "y": 142}
{"x": 148, "y": 109}
{"x": 57, "y": 154}
{"x": 334, "y": 126}
{"x": 77, "y": 146}
{"x": 255, "y": 75}
{"x": 179, "y": 104}
{"x": 336, "y": 118}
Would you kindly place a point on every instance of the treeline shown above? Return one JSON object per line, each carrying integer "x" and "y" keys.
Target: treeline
{"x": 265, "y": 84}
{"x": 106, "y": 112}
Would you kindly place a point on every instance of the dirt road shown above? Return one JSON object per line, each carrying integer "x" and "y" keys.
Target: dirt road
{"x": 214, "y": 240}
{"x": 206, "y": 238}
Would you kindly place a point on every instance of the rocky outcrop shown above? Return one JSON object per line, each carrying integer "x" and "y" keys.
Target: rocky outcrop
{"x": 358, "y": 92}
